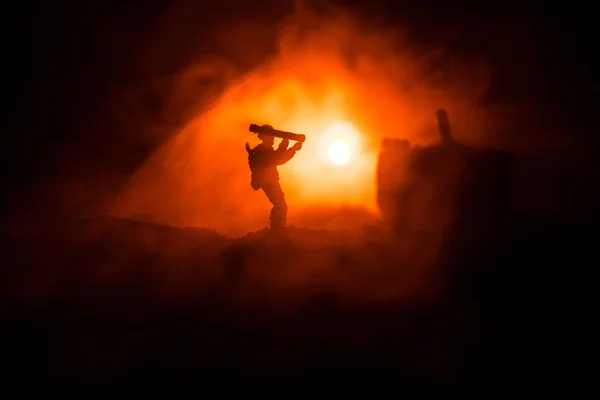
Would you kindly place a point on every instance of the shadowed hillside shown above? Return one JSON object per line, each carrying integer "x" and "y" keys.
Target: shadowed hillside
{"x": 102, "y": 299}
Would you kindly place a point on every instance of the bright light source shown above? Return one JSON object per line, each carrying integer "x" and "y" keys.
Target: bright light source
{"x": 339, "y": 152}
{"x": 339, "y": 143}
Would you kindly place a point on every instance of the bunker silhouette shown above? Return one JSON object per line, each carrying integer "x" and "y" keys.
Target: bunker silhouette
{"x": 454, "y": 192}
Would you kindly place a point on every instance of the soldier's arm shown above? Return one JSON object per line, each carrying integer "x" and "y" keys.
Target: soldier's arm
{"x": 285, "y": 156}
{"x": 283, "y": 145}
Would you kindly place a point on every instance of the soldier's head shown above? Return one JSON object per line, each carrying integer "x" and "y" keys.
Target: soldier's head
{"x": 265, "y": 137}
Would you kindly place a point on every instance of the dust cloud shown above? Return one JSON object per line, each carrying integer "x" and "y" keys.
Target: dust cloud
{"x": 331, "y": 68}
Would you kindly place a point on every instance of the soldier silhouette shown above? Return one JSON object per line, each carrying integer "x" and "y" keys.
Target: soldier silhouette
{"x": 263, "y": 161}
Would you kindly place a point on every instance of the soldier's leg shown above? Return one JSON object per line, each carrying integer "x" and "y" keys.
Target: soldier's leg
{"x": 277, "y": 198}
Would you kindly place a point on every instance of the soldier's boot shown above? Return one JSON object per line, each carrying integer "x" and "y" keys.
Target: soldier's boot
{"x": 278, "y": 219}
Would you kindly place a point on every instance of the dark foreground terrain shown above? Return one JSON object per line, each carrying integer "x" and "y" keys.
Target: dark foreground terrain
{"x": 104, "y": 300}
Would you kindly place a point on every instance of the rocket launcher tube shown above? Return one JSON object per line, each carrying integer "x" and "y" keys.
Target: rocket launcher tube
{"x": 277, "y": 133}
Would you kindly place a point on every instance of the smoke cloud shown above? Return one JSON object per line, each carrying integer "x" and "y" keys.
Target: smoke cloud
{"x": 331, "y": 66}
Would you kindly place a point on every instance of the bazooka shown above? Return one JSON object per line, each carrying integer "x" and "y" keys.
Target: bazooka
{"x": 269, "y": 130}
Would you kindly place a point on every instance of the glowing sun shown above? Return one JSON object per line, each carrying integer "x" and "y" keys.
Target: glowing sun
{"x": 339, "y": 152}
{"x": 339, "y": 143}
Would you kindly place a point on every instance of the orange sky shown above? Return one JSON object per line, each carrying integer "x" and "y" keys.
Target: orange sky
{"x": 332, "y": 81}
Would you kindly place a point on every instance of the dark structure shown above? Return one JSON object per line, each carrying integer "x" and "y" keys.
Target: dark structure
{"x": 468, "y": 193}
{"x": 511, "y": 231}
{"x": 456, "y": 192}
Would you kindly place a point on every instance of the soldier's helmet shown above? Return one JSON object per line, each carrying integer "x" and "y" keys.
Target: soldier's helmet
{"x": 263, "y": 134}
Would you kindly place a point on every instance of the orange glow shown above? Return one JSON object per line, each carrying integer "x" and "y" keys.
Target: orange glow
{"x": 340, "y": 141}
{"x": 201, "y": 176}
{"x": 330, "y": 169}
{"x": 339, "y": 152}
